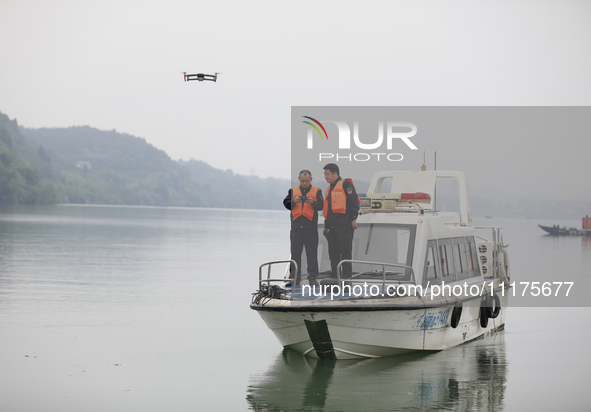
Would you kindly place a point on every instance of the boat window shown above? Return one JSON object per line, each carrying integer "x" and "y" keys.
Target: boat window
{"x": 431, "y": 274}
{"x": 447, "y": 194}
{"x": 443, "y": 261}
{"x": 450, "y": 262}
{"x": 447, "y": 259}
{"x": 460, "y": 257}
{"x": 472, "y": 258}
{"x": 386, "y": 243}
{"x": 386, "y": 185}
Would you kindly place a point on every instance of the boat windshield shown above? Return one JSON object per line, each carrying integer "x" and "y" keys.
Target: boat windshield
{"x": 384, "y": 243}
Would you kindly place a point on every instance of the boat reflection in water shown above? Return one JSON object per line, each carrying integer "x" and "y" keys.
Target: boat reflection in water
{"x": 469, "y": 377}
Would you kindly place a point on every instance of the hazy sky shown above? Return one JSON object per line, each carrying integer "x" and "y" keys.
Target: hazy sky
{"x": 118, "y": 65}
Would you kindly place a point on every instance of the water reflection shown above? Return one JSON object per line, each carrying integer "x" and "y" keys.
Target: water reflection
{"x": 470, "y": 377}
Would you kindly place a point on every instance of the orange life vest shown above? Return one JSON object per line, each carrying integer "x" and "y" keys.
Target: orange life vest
{"x": 306, "y": 209}
{"x": 338, "y": 198}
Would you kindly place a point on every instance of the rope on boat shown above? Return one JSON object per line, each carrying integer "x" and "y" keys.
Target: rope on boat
{"x": 267, "y": 293}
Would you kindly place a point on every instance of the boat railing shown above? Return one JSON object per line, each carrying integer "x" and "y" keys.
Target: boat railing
{"x": 268, "y": 280}
{"x": 379, "y": 278}
{"x": 383, "y": 279}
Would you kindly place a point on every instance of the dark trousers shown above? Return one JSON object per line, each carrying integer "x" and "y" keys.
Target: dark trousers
{"x": 340, "y": 245}
{"x": 307, "y": 238}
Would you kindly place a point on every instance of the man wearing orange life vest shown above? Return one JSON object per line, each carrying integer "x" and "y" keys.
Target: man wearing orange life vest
{"x": 304, "y": 201}
{"x": 341, "y": 207}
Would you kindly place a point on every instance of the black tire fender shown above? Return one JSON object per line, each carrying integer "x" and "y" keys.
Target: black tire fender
{"x": 483, "y": 316}
{"x": 496, "y": 307}
{"x": 487, "y": 305}
{"x": 456, "y": 314}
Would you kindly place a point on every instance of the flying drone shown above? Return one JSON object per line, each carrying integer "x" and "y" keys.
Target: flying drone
{"x": 200, "y": 77}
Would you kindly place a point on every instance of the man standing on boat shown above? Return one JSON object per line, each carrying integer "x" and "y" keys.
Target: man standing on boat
{"x": 341, "y": 208}
{"x": 304, "y": 201}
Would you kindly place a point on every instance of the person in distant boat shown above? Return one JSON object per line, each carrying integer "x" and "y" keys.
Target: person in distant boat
{"x": 341, "y": 207}
{"x": 304, "y": 201}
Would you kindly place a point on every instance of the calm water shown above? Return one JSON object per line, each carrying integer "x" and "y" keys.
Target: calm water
{"x": 126, "y": 308}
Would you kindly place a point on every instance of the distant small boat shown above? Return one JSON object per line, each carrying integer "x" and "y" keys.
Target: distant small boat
{"x": 569, "y": 231}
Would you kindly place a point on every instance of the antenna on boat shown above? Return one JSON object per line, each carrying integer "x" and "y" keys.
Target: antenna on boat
{"x": 423, "y": 167}
{"x": 435, "y": 190}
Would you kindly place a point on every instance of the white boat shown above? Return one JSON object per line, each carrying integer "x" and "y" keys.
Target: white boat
{"x": 423, "y": 279}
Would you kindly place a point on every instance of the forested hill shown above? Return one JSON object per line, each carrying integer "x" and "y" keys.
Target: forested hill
{"x": 86, "y": 165}
{"x": 105, "y": 150}
{"x": 20, "y": 181}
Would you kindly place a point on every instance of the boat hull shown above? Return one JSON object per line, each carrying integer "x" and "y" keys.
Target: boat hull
{"x": 561, "y": 231}
{"x": 376, "y": 332}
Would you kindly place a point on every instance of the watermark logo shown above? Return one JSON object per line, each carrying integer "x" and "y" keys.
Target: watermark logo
{"x": 310, "y": 144}
{"x": 388, "y": 134}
